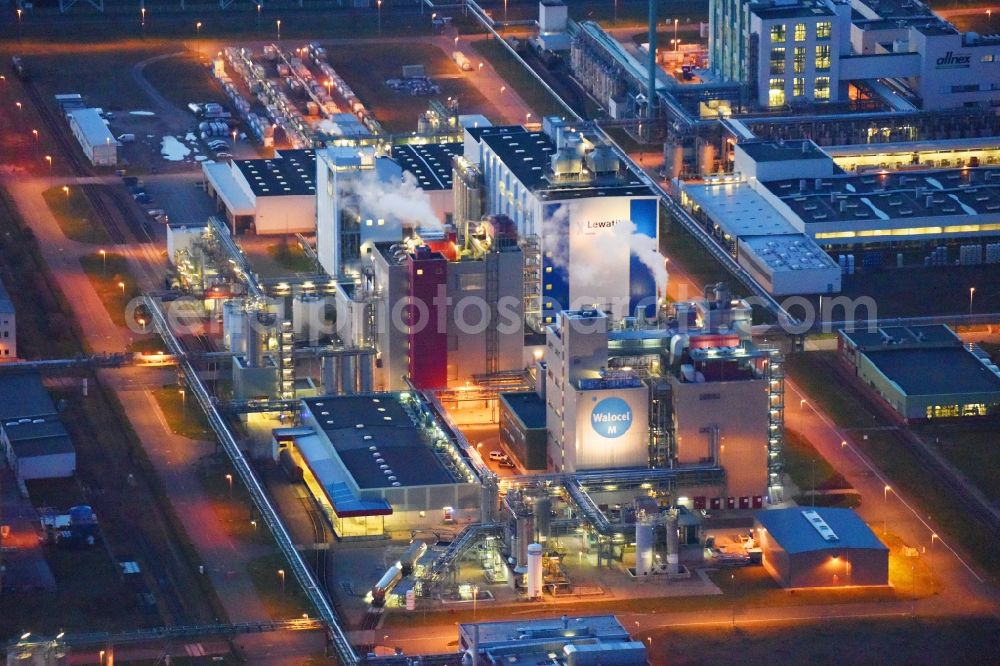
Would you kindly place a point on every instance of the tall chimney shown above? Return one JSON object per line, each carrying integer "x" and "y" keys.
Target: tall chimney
{"x": 651, "y": 104}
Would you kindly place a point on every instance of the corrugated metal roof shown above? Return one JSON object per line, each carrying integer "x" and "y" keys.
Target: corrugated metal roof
{"x": 795, "y": 534}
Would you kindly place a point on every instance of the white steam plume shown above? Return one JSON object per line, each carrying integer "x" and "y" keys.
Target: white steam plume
{"x": 395, "y": 200}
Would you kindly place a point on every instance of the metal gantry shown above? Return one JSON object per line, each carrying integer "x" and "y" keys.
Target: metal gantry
{"x": 258, "y": 494}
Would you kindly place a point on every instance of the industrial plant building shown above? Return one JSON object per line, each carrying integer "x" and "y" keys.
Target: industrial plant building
{"x": 820, "y": 547}
{"x": 379, "y": 462}
{"x": 34, "y": 441}
{"x": 440, "y": 309}
{"x": 98, "y": 143}
{"x": 8, "y": 326}
{"x": 268, "y": 196}
{"x": 575, "y": 205}
{"x": 690, "y": 393}
{"x": 924, "y": 372}
{"x": 569, "y": 641}
{"x": 366, "y": 198}
{"x": 790, "y": 51}
{"x": 779, "y": 228}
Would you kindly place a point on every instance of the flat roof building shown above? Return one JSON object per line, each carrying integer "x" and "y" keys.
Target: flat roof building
{"x": 98, "y": 143}
{"x": 594, "y": 639}
{"x": 820, "y": 547}
{"x": 270, "y": 196}
{"x": 924, "y": 372}
{"x": 522, "y": 428}
{"x": 380, "y": 462}
{"x": 34, "y": 442}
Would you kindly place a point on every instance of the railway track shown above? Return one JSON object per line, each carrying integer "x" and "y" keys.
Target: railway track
{"x": 109, "y": 209}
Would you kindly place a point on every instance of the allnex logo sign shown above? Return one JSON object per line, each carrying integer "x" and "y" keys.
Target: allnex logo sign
{"x": 952, "y": 61}
{"x": 612, "y": 417}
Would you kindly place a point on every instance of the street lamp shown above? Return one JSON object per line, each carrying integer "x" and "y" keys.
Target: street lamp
{"x": 475, "y": 597}
{"x": 281, "y": 572}
{"x": 527, "y": 118}
{"x": 972, "y": 292}
{"x": 278, "y": 22}
{"x": 675, "y": 36}
{"x": 258, "y": 16}
{"x": 48, "y": 158}
{"x": 121, "y": 285}
{"x": 142, "y": 322}
{"x": 885, "y": 509}
{"x": 66, "y": 190}
{"x": 229, "y": 478}
{"x": 19, "y": 13}
{"x": 379, "y": 17}
{"x": 142, "y": 20}
{"x": 933, "y": 537}
{"x": 104, "y": 263}
{"x": 503, "y": 89}
{"x": 197, "y": 36}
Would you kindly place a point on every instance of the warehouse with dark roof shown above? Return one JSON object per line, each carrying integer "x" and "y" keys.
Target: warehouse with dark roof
{"x": 380, "y": 462}
{"x": 924, "y": 372}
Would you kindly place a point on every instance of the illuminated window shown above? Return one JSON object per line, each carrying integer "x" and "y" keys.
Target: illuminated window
{"x": 368, "y": 223}
{"x": 778, "y": 60}
{"x": 800, "y": 32}
{"x": 823, "y": 58}
{"x": 778, "y": 33}
{"x": 987, "y": 58}
{"x": 799, "y": 59}
{"x": 823, "y": 29}
{"x": 776, "y": 93}
{"x": 822, "y": 87}
{"x": 381, "y": 223}
{"x": 420, "y": 271}
{"x": 798, "y": 87}
{"x": 548, "y": 269}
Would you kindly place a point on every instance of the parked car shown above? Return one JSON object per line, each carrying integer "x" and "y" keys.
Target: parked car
{"x": 498, "y": 455}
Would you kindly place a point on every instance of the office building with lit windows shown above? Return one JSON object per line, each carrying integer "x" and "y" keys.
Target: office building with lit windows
{"x": 796, "y": 52}
{"x": 906, "y": 367}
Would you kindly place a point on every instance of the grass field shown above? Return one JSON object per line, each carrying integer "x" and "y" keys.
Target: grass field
{"x": 283, "y": 601}
{"x": 814, "y": 373}
{"x": 291, "y": 256}
{"x": 398, "y": 112}
{"x": 110, "y": 276}
{"x": 862, "y": 641}
{"x": 972, "y": 448}
{"x": 809, "y": 470}
{"x": 43, "y": 331}
{"x": 75, "y": 215}
{"x": 184, "y": 416}
{"x": 518, "y": 78}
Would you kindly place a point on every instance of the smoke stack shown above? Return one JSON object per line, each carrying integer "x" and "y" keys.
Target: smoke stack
{"x": 651, "y": 104}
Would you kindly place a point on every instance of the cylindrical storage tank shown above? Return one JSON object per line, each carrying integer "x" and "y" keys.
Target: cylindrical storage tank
{"x": 673, "y": 543}
{"x": 308, "y": 312}
{"x": 348, "y": 380}
{"x": 643, "y": 548}
{"x": 543, "y": 518}
{"x": 331, "y": 378}
{"x": 255, "y": 339}
{"x": 525, "y": 536}
{"x": 234, "y": 327}
{"x": 706, "y": 158}
{"x": 534, "y": 582}
{"x": 366, "y": 371}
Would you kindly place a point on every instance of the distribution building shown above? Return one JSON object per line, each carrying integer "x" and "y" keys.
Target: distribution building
{"x": 33, "y": 439}
{"x": 924, "y": 372}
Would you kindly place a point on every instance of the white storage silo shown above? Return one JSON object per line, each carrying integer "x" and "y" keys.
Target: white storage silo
{"x": 643, "y": 548}
{"x": 234, "y": 336}
{"x": 534, "y": 582}
{"x": 673, "y": 543}
{"x": 308, "y": 317}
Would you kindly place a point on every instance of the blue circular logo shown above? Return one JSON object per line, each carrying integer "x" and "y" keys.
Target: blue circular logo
{"x": 612, "y": 417}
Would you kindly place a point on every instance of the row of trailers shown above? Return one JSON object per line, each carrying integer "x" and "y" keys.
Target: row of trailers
{"x": 394, "y": 574}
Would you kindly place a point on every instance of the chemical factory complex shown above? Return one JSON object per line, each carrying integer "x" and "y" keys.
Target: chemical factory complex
{"x": 499, "y": 333}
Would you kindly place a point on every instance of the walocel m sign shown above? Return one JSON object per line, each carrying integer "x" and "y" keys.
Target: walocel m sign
{"x": 952, "y": 61}
{"x": 612, "y": 417}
